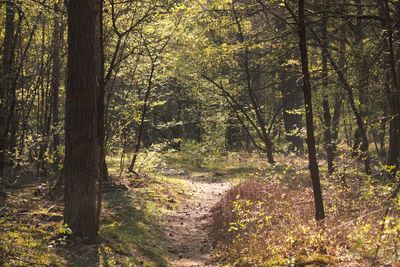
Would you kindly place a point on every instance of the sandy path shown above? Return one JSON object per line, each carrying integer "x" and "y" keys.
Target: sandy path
{"x": 188, "y": 227}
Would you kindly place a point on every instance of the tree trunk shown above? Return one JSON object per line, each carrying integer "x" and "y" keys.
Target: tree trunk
{"x": 312, "y": 157}
{"x": 6, "y": 80}
{"x": 291, "y": 103}
{"x": 328, "y": 143}
{"x": 291, "y": 97}
{"x": 55, "y": 85}
{"x": 360, "y": 122}
{"x": 82, "y": 146}
{"x": 362, "y": 68}
{"x": 139, "y": 134}
{"x": 338, "y": 96}
{"x": 394, "y": 87}
{"x": 42, "y": 129}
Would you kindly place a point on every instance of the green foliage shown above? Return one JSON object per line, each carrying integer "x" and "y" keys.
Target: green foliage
{"x": 250, "y": 217}
{"x": 200, "y": 154}
{"x": 157, "y": 55}
{"x": 64, "y": 230}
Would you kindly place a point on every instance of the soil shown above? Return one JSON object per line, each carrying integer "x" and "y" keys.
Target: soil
{"x": 188, "y": 227}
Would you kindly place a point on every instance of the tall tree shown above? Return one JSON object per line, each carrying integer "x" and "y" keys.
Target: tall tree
{"x": 362, "y": 129}
{"x": 391, "y": 61}
{"x": 6, "y": 80}
{"x": 55, "y": 81}
{"x": 291, "y": 95}
{"x": 363, "y": 73}
{"x": 82, "y": 145}
{"x": 328, "y": 143}
{"x": 312, "y": 157}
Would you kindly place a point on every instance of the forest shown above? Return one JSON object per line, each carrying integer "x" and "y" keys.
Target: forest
{"x": 196, "y": 133}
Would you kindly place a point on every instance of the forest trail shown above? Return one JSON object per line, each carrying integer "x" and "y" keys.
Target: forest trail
{"x": 189, "y": 226}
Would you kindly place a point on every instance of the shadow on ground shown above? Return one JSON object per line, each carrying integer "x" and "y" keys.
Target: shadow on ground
{"x": 131, "y": 229}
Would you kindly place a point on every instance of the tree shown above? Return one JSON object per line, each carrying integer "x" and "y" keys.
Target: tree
{"x": 393, "y": 89}
{"x": 249, "y": 85}
{"x": 6, "y": 80}
{"x": 328, "y": 142}
{"x": 291, "y": 94}
{"x": 82, "y": 131}
{"x": 55, "y": 82}
{"x": 312, "y": 157}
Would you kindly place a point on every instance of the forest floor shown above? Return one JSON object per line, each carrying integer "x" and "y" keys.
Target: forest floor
{"x": 186, "y": 211}
{"x": 163, "y": 219}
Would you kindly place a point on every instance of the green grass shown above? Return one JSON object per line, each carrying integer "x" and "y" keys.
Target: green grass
{"x": 231, "y": 167}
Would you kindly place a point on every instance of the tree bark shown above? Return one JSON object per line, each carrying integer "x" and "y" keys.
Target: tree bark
{"x": 82, "y": 146}
{"x": 103, "y": 174}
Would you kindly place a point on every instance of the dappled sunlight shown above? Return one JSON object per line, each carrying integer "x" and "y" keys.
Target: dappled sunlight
{"x": 207, "y": 133}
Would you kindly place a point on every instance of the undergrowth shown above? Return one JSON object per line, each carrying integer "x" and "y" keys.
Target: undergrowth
{"x": 268, "y": 220}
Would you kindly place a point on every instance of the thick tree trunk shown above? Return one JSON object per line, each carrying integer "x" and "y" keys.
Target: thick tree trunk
{"x": 312, "y": 154}
{"x": 82, "y": 146}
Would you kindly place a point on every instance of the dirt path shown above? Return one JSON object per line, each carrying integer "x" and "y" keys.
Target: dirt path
{"x": 188, "y": 227}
